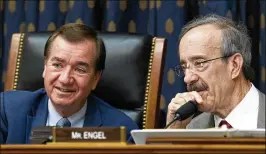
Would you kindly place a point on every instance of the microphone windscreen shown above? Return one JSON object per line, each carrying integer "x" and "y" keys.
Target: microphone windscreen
{"x": 186, "y": 110}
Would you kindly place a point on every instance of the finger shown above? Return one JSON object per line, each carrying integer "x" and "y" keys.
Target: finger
{"x": 190, "y": 96}
{"x": 179, "y": 100}
{"x": 197, "y": 97}
{"x": 177, "y": 95}
{"x": 173, "y": 107}
{"x": 187, "y": 97}
{"x": 193, "y": 96}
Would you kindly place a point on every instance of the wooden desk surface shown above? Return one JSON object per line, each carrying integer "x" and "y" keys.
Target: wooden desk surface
{"x": 140, "y": 149}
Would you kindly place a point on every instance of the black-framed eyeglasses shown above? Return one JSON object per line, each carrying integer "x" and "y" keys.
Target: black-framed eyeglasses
{"x": 197, "y": 65}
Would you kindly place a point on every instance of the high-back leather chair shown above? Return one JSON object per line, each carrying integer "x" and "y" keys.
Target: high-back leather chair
{"x": 131, "y": 80}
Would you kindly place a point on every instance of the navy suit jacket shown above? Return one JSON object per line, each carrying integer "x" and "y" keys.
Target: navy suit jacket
{"x": 20, "y": 111}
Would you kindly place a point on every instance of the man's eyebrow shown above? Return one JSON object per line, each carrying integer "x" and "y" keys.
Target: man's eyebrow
{"x": 81, "y": 63}
{"x": 57, "y": 59}
{"x": 193, "y": 58}
{"x": 197, "y": 57}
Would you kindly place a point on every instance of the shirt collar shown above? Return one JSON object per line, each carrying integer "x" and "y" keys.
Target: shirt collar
{"x": 247, "y": 105}
{"x": 54, "y": 116}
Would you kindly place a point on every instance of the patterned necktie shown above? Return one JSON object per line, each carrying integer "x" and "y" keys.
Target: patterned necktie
{"x": 63, "y": 122}
{"x": 224, "y": 124}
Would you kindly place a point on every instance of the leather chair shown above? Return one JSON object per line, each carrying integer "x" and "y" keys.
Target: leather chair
{"x": 131, "y": 80}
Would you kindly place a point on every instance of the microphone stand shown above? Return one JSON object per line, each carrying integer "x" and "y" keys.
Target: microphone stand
{"x": 177, "y": 117}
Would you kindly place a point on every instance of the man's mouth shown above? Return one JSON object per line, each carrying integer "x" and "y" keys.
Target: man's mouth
{"x": 198, "y": 87}
{"x": 201, "y": 90}
{"x": 66, "y": 90}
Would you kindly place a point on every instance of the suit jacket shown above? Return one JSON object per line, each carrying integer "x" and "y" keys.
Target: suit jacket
{"x": 20, "y": 111}
{"x": 206, "y": 120}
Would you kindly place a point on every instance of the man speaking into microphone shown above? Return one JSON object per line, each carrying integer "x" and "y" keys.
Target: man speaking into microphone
{"x": 215, "y": 57}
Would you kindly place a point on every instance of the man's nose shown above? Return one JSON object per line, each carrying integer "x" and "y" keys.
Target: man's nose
{"x": 190, "y": 77}
{"x": 65, "y": 76}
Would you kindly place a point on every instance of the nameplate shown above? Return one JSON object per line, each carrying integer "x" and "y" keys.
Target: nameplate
{"x": 89, "y": 134}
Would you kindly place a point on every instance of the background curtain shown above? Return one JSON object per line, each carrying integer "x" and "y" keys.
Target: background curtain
{"x": 156, "y": 17}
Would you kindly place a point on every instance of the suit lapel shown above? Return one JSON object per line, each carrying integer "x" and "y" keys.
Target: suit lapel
{"x": 202, "y": 121}
{"x": 261, "y": 113}
{"x": 37, "y": 117}
{"x": 93, "y": 117}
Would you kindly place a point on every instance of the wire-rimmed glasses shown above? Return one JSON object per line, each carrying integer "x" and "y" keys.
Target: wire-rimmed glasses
{"x": 197, "y": 65}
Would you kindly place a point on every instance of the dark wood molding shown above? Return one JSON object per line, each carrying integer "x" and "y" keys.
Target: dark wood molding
{"x": 153, "y": 105}
{"x": 12, "y": 60}
{"x": 140, "y": 149}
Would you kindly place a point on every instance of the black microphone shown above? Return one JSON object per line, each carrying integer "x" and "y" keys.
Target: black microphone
{"x": 184, "y": 112}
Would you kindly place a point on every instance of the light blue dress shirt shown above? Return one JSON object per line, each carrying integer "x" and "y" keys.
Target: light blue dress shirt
{"x": 77, "y": 119}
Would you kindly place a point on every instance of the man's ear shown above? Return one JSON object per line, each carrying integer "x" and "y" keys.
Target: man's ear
{"x": 236, "y": 63}
{"x": 97, "y": 77}
{"x": 44, "y": 71}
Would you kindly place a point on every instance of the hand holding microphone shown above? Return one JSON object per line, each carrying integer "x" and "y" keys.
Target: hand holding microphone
{"x": 181, "y": 109}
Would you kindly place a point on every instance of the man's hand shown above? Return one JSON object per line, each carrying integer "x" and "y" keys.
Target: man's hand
{"x": 179, "y": 100}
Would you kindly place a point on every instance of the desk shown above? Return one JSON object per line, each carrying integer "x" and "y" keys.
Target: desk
{"x": 132, "y": 149}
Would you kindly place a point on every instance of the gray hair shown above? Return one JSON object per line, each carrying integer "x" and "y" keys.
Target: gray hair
{"x": 235, "y": 38}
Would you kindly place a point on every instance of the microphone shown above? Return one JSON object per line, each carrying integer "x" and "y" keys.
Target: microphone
{"x": 184, "y": 112}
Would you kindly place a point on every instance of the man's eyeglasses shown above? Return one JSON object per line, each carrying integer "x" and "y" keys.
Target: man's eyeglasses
{"x": 197, "y": 65}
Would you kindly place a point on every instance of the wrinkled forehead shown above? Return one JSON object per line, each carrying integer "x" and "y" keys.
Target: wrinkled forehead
{"x": 202, "y": 41}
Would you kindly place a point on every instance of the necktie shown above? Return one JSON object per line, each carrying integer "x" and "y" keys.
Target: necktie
{"x": 224, "y": 124}
{"x": 63, "y": 122}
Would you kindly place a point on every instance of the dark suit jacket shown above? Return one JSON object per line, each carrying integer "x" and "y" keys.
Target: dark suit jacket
{"x": 206, "y": 120}
{"x": 20, "y": 111}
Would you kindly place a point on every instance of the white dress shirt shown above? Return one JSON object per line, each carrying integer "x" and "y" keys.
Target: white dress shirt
{"x": 245, "y": 114}
{"x": 77, "y": 119}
